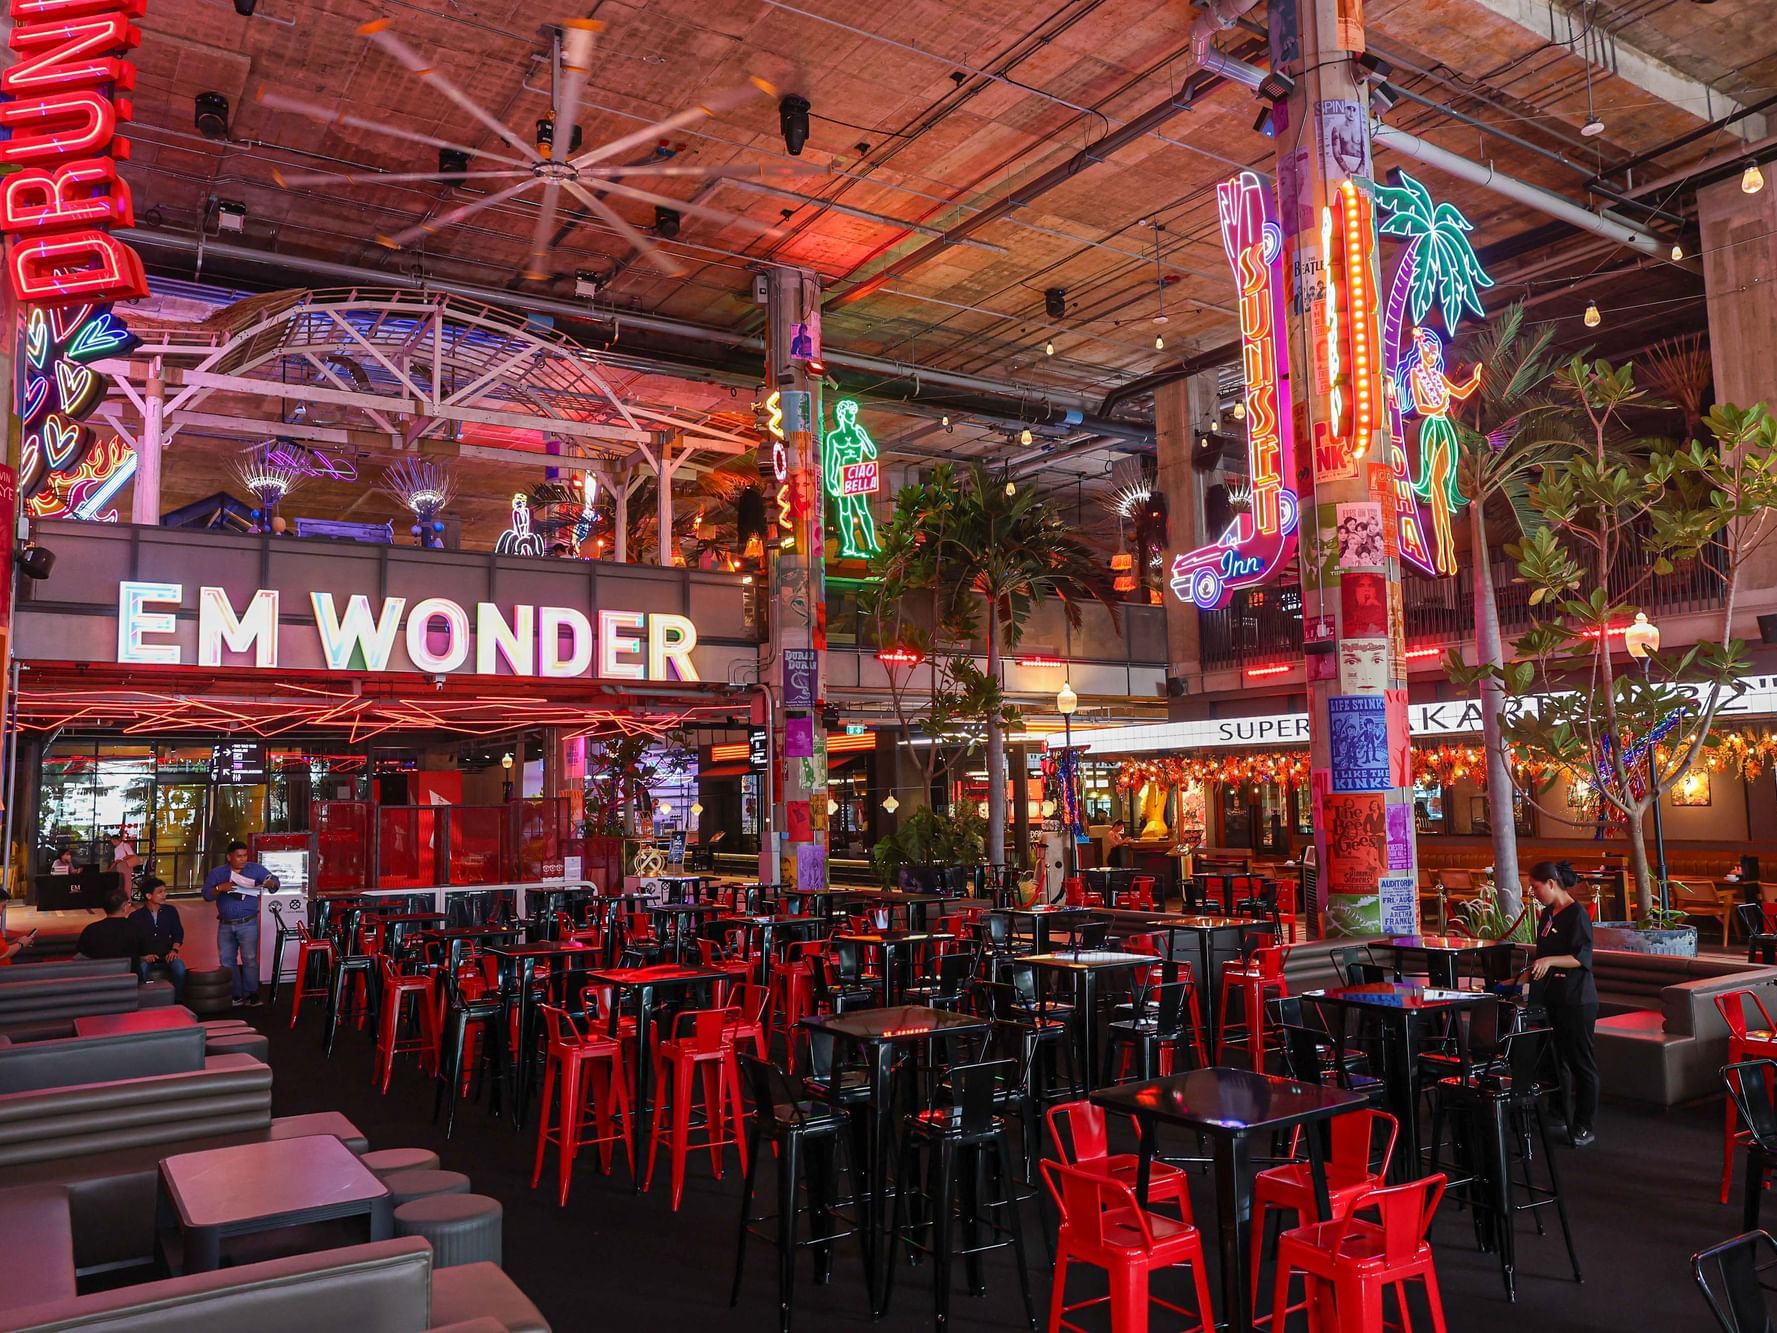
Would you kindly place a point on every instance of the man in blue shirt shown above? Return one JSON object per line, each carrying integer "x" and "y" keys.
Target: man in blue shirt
{"x": 234, "y": 887}
{"x": 163, "y": 935}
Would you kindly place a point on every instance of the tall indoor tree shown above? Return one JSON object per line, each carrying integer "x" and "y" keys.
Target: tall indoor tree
{"x": 1510, "y": 426}
{"x": 988, "y": 544}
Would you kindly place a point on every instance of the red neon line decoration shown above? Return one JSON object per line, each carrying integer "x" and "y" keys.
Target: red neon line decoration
{"x": 1267, "y": 670}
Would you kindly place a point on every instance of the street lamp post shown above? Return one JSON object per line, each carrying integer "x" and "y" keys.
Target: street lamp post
{"x": 1066, "y": 701}
{"x": 506, "y": 784}
{"x": 1642, "y": 639}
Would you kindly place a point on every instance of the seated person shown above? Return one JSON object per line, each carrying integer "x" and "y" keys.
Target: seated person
{"x": 162, "y": 936}
{"x": 114, "y": 935}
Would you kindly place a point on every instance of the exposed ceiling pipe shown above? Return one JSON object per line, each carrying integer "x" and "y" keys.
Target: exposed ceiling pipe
{"x": 1215, "y": 17}
{"x": 1565, "y": 210}
{"x": 1029, "y": 399}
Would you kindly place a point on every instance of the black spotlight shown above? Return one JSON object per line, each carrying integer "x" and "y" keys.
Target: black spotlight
{"x": 1055, "y": 303}
{"x": 792, "y": 118}
{"x": 666, "y": 222}
{"x": 749, "y": 515}
{"x": 212, "y": 115}
{"x": 452, "y": 163}
{"x": 35, "y": 561}
{"x": 245, "y": 7}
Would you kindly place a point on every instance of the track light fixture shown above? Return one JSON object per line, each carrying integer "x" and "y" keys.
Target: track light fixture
{"x": 1055, "y": 303}
{"x": 212, "y": 115}
{"x": 452, "y": 163}
{"x": 792, "y": 119}
{"x": 666, "y": 222}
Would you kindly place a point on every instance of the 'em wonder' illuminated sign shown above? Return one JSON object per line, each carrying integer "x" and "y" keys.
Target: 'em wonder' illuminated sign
{"x": 551, "y": 641}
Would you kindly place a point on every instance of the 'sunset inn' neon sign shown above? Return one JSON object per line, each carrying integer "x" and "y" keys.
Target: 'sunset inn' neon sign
{"x": 62, "y": 116}
{"x": 556, "y": 642}
{"x": 1264, "y": 537}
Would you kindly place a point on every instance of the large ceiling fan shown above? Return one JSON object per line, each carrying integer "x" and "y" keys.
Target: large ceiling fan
{"x": 583, "y": 175}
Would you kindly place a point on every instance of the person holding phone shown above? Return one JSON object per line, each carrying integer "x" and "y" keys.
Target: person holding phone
{"x": 234, "y": 886}
{"x": 11, "y": 946}
{"x": 1561, "y": 981}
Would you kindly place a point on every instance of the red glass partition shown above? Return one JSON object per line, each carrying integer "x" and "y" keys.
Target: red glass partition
{"x": 342, "y": 850}
{"x": 478, "y": 844}
{"x": 407, "y": 846}
{"x": 541, "y": 834}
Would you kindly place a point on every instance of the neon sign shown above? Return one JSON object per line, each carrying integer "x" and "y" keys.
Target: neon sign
{"x": 62, "y": 118}
{"x": 518, "y": 539}
{"x": 850, "y": 471}
{"x": 440, "y": 636}
{"x": 1349, "y": 360}
{"x": 1264, "y": 537}
{"x": 63, "y": 471}
{"x": 780, "y": 466}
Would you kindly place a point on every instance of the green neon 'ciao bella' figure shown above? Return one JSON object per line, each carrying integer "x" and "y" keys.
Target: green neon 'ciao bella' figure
{"x": 851, "y": 478}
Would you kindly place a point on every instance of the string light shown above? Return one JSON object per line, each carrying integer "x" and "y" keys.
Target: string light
{"x": 1024, "y": 436}
{"x": 1011, "y": 487}
{"x": 1677, "y": 252}
{"x": 1593, "y": 318}
{"x": 1159, "y": 342}
{"x": 890, "y": 803}
{"x": 1752, "y": 180}
{"x": 1048, "y": 349}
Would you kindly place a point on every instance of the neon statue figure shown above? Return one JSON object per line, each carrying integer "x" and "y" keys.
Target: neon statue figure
{"x": 850, "y": 472}
{"x": 1421, "y": 386}
{"x": 519, "y": 539}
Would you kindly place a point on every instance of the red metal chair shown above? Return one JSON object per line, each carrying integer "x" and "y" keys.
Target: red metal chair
{"x": 1103, "y": 1225}
{"x": 578, "y": 1063}
{"x": 1086, "y": 1145}
{"x": 397, "y": 990}
{"x": 1350, "y": 1262}
{"x": 704, "y": 1047}
{"x": 1255, "y": 978}
{"x": 1744, "y": 1043}
{"x": 790, "y": 999}
{"x": 1140, "y": 897}
{"x": 309, "y": 951}
{"x": 746, "y": 1018}
{"x": 1290, "y": 1188}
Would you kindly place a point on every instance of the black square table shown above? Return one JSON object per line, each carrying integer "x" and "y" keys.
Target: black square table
{"x": 518, "y": 967}
{"x": 647, "y": 983}
{"x": 1212, "y": 936}
{"x": 880, "y": 1032}
{"x": 1440, "y": 953}
{"x": 1400, "y": 1007}
{"x": 206, "y": 1197}
{"x": 455, "y": 937}
{"x": 396, "y": 925}
{"x": 896, "y": 946}
{"x": 1084, "y": 967}
{"x": 1041, "y": 919}
{"x": 773, "y": 931}
{"x": 1230, "y": 1107}
{"x": 682, "y": 919}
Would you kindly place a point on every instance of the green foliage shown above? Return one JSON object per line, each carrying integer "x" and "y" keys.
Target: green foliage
{"x": 1662, "y": 918}
{"x": 927, "y": 838}
{"x": 1484, "y": 917}
{"x": 619, "y": 773}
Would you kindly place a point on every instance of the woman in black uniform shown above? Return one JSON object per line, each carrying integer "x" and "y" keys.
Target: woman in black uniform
{"x": 1561, "y": 980}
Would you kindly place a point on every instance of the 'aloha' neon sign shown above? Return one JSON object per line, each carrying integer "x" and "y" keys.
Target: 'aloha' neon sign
{"x": 1264, "y": 537}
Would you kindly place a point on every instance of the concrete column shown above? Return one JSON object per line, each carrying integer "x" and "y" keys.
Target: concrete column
{"x": 797, "y": 572}
{"x": 663, "y": 501}
{"x": 1361, "y": 757}
{"x": 1183, "y": 409}
{"x": 620, "y": 518}
{"x": 145, "y": 493}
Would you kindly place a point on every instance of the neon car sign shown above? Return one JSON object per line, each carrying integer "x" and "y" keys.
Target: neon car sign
{"x": 1264, "y": 537}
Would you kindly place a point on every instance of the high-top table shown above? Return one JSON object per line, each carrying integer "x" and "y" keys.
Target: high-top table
{"x": 1440, "y": 952}
{"x": 206, "y": 1197}
{"x": 1211, "y": 936}
{"x": 453, "y": 938}
{"x": 1085, "y": 966}
{"x": 772, "y": 931}
{"x": 1042, "y": 919}
{"x": 518, "y": 968}
{"x": 1231, "y": 1107}
{"x": 896, "y": 946}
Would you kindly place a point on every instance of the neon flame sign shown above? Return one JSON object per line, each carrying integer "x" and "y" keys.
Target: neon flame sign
{"x": 1258, "y": 541}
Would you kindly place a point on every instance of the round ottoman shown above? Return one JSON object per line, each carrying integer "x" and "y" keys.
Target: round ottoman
{"x": 226, "y": 1027}
{"x": 246, "y": 1043}
{"x": 387, "y": 1161}
{"x": 209, "y": 992}
{"x": 406, "y": 1186}
{"x": 462, "y": 1228}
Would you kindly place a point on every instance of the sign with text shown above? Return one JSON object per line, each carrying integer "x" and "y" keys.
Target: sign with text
{"x": 801, "y": 673}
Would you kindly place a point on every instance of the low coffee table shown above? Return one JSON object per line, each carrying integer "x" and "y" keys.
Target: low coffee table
{"x": 137, "y": 1020}
{"x": 206, "y": 1197}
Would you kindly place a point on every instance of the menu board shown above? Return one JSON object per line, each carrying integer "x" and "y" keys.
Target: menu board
{"x": 291, "y": 868}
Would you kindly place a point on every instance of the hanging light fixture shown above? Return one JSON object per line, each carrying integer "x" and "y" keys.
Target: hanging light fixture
{"x": 1011, "y": 487}
{"x": 1752, "y": 180}
{"x": 696, "y": 808}
{"x": 890, "y": 803}
{"x": 1159, "y": 342}
{"x": 1024, "y": 436}
{"x": 1677, "y": 252}
{"x": 1049, "y": 349}
{"x": 1593, "y": 318}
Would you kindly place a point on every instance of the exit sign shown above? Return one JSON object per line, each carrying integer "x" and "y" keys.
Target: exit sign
{"x": 855, "y": 728}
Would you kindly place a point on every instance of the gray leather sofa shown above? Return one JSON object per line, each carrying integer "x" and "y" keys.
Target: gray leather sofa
{"x": 64, "y": 1062}
{"x": 1669, "y": 1042}
{"x": 63, "y": 967}
{"x": 384, "y": 1287}
{"x": 47, "y": 1007}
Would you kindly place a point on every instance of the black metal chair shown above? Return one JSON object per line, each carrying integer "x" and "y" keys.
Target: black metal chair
{"x": 1164, "y": 1027}
{"x": 1761, "y": 941}
{"x": 494, "y": 1067}
{"x": 804, "y": 1135}
{"x": 1758, "y": 1113}
{"x": 948, "y": 987}
{"x": 1731, "y": 1277}
{"x": 964, "y": 1143}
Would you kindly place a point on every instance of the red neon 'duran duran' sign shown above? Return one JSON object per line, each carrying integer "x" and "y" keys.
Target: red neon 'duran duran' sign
{"x": 62, "y": 116}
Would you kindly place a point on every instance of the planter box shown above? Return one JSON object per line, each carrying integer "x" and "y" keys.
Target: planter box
{"x": 1679, "y": 942}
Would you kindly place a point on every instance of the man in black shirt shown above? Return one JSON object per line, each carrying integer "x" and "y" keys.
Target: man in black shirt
{"x": 162, "y": 936}
{"x": 115, "y": 936}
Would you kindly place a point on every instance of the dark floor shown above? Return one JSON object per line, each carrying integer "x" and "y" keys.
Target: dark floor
{"x": 1642, "y": 1200}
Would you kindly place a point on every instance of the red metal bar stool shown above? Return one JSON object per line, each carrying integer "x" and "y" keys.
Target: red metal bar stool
{"x": 791, "y": 999}
{"x": 1141, "y": 893}
{"x": 746, "y": 1018}
{"x": 1078, "y": 1131}
{"x": 1102, "y": 1225}
{"x": 704, "y": 1047}
{"x": 397, "y": 991}
{"x": 310, "y": 952}
{"x": 1353, "y": 1169}
{"x": 579, "y": 1063}
{"x": 1350, "y": 1262}
{"x": 1744, "y": 1043}
{"x": 1255, "y": 977}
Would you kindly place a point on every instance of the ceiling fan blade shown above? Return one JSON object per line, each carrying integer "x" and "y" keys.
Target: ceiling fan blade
{"x": 533, "y": 268}
{"x": 651, "y": 252}
{"x": 379, "y": 33}
{"x": 314, "y": 111}
{"x": 389, "y": 177}
{"x": 576, "y": 67}
{"x": 733, "y": 171}
{"x": 404, "y": 238}
{"x": 687, "y": 206}
{"x": 714, "y": 106}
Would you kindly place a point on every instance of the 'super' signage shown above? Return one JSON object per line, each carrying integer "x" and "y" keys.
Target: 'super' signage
{"x": 439, "y": 636}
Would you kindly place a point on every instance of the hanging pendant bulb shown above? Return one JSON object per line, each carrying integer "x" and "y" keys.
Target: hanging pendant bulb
{"x": 1011, "y": 487}
{"x": 1239, "y": 411}
{"x": 1159, "y": 342}
{"x": 1752, "y": 180}
{"x": 1024, "y": 436}
{"x": 1593, "y": 318}
{"x": 890, "y": 803}
{"x": 1677, "y": 252}
{"x": 1049, "y": 349}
